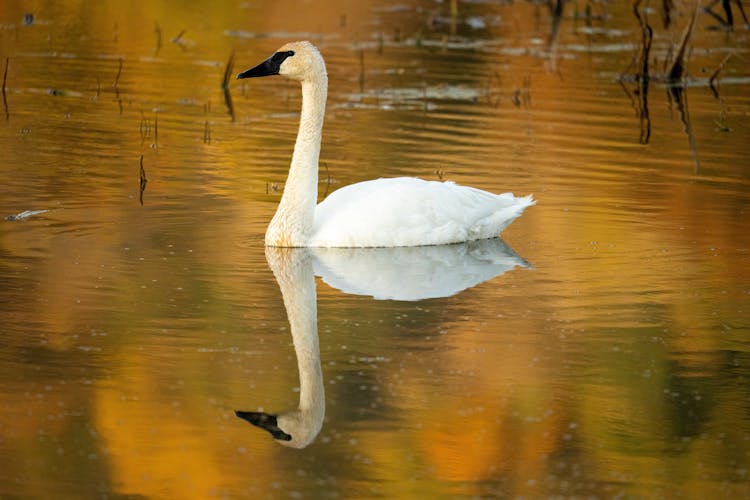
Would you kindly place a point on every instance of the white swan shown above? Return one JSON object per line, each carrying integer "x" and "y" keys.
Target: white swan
{"x": 378, "y": 213}
{"x": 297, "y": 428}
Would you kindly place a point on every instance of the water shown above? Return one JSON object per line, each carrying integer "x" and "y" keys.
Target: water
{"x": 610, "y": 356}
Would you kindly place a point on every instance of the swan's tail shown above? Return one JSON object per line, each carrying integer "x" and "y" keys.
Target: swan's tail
{"x": 526, "y": 201}
{"x": 494, "y": 224}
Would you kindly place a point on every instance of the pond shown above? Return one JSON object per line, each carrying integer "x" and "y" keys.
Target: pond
{"x": 601, "y": 348}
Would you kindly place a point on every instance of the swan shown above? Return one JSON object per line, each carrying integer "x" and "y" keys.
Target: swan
{"x": 393, "y": 212}
{"x": 297, "y": 428}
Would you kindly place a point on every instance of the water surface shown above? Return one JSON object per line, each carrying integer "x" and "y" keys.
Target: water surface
{"x": 607, "y": 353}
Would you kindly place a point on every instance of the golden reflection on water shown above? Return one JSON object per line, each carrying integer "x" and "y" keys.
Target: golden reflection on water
{"x": 616, "y": 364}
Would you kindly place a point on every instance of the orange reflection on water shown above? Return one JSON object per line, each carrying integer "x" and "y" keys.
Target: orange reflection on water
{"x": 132, "y": 333}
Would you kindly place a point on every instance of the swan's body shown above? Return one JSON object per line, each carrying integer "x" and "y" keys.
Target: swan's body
{"x": 406, "y": 211}
{"x": 377, "y": 213}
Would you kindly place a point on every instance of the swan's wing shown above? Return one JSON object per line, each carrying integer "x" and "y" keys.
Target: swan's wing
{"x": 408, "y": 211}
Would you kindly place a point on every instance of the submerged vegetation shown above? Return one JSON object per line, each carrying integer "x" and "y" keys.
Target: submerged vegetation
{"x": 673, "y": 73}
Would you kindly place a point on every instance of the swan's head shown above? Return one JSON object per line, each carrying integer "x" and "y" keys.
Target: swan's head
{"x": 295, "y": 429}
{"x": 296, "y": 60}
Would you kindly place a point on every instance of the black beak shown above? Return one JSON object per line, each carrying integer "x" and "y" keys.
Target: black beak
{"x": 264, "y": 421}
{"x": 268, "y": 67}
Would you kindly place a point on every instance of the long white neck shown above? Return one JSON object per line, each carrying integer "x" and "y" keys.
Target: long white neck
{"x": 292, "y": 224}
{"x": 293, "y": 270}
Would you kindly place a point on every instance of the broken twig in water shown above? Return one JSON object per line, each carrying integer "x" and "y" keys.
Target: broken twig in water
{"x": 143, "y": 181}
{"x": 25, "y": 214}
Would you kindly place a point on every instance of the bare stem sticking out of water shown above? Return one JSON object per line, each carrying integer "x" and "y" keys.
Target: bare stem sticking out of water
{"x": 494, "y": 96}
{"x": 178, "y": 39}
{"x": 726, "y": 22}
{"x": 157, "y": 32}
{"x": 142, "y": 182}
{"x": 715, "y": 74}
{"x": 678, "y": 94}
{"x": 328, "y": 180}
{"x": 5, "y": 73}
{"x": 666, "y": 7}
{"x": 5, "y": 79}
{"x": 642, "y": 75}
{"x": 677, "y": 70}
{"x": 742, "y": 11}
{"x": 522, "y": 96}
{"x": 361, "y": 71}
{"x": 273, "y": 187}
{"x": 228, "y": 69}
{"x": 556, "y": 8}
{"x": 207, "y": 133}
{"x": 144, "y": 128}
{"x": 117, "y": 77}
{"x": 116, "y": 83}
{"x": 678, "y": 90}
{"x": 454, "y": 17}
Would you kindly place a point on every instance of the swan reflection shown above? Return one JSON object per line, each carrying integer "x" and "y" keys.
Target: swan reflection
{"x": 412, "y": 273}
{"x": 293, "y": 270}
